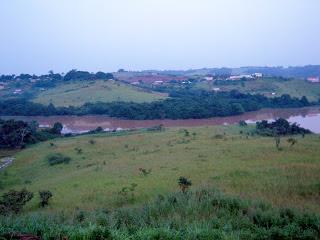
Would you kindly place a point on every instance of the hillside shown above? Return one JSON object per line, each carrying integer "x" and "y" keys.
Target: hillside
{"x": 76, "y": 93}
{"x": 219, "y": 157}
{"x": 267, "y": 86}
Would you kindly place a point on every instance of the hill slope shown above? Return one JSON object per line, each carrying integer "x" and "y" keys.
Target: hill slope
{"x": 251, "y": 167}
{"x": 77, "y": 93}
{"x": 267, "y": 86}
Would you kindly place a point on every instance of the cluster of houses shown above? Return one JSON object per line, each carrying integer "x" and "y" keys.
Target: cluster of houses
{"x": 3, "y": 86}
{"x": 244, "y": 76}
{"x": 236, "y": 77}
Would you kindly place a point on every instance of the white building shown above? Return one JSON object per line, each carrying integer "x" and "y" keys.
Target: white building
{"x": 158, "y": 82}
{"x": 17, "y": 91}
{"x": 258, "y": 75}
{"x": 239, "y": 77}
{"x": 208, "y": 78}
{"x": 313, "y": 79}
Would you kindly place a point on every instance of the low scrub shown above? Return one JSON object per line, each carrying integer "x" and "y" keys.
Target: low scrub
{"x": 57, "y": 158}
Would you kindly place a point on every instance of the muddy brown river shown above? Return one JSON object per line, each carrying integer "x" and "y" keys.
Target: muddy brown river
{"x": 307, "y": 117}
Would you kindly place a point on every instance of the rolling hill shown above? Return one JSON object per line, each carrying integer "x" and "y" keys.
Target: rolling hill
{"x": 247, "y": 166}
{"x": 76, "y": 93}
{"x": 267, "y": 86}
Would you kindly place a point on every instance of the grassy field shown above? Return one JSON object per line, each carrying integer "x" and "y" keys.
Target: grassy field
{"x": 267, "y": 86}
{"x": 246, "y": 166}
{"x": 77, "y": 93}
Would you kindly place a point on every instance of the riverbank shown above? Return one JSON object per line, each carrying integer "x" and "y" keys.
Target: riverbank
{"x": 307, "y": 117}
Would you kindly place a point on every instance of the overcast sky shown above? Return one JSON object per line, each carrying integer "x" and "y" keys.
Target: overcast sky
{"x": 41, "y": 35}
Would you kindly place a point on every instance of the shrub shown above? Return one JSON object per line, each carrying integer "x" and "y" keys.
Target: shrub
{"x": 292, "y": 141}
{"x": 218, "y": 136}
{"x": 156, "y": 128}
{"x": 186, "y": 133}
{"x": 79, "y": 150}
{"x": 80, "y": 216}
{"x": 44, "y": 197}
{"x": 144, "y": 171}
{"x": 57, "y": 128}
{"x": 184, "y": 184}
{"x": 279, "y": 127}
{"x": 127, "y": 193}
{"x": 242, "y": 123}
{"x": 58, "y": 158}
{"x": 13, "y": 201}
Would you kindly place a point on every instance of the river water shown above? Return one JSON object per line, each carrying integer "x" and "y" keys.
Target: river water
{"x": 306, "y": 117}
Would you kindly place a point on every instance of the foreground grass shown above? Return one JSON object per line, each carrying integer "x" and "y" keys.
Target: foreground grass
{"x": 78, "y": 93}
{"x": 202, "y": 214}
{"x": 247, "y": 166}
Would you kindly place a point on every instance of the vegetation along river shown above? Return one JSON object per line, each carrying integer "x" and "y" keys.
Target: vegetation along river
{"x": 306, "y": 117}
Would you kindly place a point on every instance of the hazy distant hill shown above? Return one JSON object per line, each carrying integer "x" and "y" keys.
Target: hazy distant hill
{"x": 294, "y": 72}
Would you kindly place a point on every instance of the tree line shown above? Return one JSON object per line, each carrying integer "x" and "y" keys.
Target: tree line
{"x": 71, "y": 75}
{"x": 182, "y": 104}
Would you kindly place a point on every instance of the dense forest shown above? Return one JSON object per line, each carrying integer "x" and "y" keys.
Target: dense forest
{"x": 182, "y": 104}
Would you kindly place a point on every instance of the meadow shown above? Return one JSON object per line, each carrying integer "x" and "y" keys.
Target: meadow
{"x": 125, "y": 186}
{"x": 219, "y": 157}
{"x": 77, "y": 93}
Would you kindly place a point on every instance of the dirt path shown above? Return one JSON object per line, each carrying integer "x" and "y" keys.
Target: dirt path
{"x": 5, "y": 162}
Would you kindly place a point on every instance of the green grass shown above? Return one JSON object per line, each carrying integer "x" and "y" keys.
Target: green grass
{"x": 203, "y": 214}
{"x": 79, "y": 92}
{"x": 266, "y": 86}
{"x": 250, "y": 167}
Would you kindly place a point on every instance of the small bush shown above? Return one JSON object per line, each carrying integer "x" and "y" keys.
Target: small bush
{"x": 27, "y": 181}
{"x": 242, "y": 123}
{"x": 144, "y": 171}
{"x": 184, "y": 184}
{"x": 292, "y": 141}
{"x": 58, "y": 158}
{"x": 218, "y": 136}
{"x": 44, "y": 198}
{"x": 80, "y": 216}
{"x": 127, "y": 193}
{"x": 186, "y": 133}
{"x": 78, "y": 150}
{"x": 13, "y": 201}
